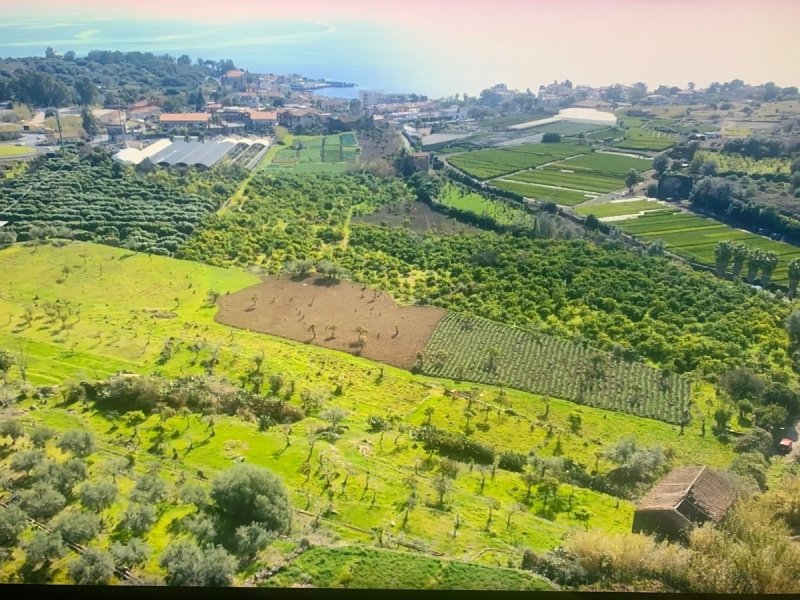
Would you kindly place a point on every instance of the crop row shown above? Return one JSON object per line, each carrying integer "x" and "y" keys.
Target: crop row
{"x": 474, "y": 349}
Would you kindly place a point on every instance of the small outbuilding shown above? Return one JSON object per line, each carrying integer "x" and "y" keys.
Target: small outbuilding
{"x": 785, "y": 446}
{"x": 685, "y": 498}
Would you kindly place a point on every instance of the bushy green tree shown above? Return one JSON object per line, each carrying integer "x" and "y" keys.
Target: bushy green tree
{"x": 12, "y": 523}
{"x": 43, "y": 547}
{"x": 11, "y": 428}
{"x": 245, "y": 494}
{"x": 149, "y": 489}
{"x": 756, "y": 440}
{"x": 77, "y": 526}
{"x": 138, "y": 518}
{"x": 98, "y": 496}
{"x": 93, "y": 567}
{"x": 40, "y": 435}
{"x": 251, "y": 539}
{"x": 187, "y": 565}
{"x": 78, "y": 442}
{"x": 26, "y": 460}
{"x": 41, "y": 501}
{"x": 133, "y": 554}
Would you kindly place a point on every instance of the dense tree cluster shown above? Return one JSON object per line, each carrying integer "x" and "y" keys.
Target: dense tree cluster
{"x": 91, "y": 198}
{"x": 123, "y": 77}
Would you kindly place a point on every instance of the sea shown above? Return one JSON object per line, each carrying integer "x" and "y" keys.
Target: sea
{"x": 370, "y": 56}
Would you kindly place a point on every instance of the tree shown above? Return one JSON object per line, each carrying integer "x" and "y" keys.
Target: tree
{"x": 631, "y": 179}
{"x": 77, "y": 526}
{"x": 98, "y": 496}
{"x": 794, "y": 279}
{"x": 752, "y": 466}
{"x": 756, "y": 440}
{"x": 529, "y": 479}
{"x": 661, "y": 164}
{"x": 771, "y": 417}
{"x": 769, "y": 260}
{"x": 6, "y": 362}
{"x": 551, "y": 138}
{"x": 781, "y": 395}
{"x": 740, "y": 254}
{"x": 245, "y": 494}
{"x": 133, "y": 554}
{"x": 251, "y": 539}
{"x": 11, "y": 428}
{"x": 138, "y": 518}
{"x": 41, "y": 501}
{"x": 89, "y": 124}
{"x": 79, "y": 442}
{"x": 547, "y": 489}
{"x": 40, "y": 435}
{"x": 43, "y": 547}
{"x": 792, "y": 328}
{"x": 12, "y": 523}
{"x": 149, "y": 489}
{"x": 92, "y": 567}
{"x": 87, "y": 91}
{"x": 442, "y": 484}
{"x": 515, "y": 508}
{"x": 583, "y": 515}
{"x": 183, "y": 562}
{"x": 25, "y": 460}
{"x": 723, "y": 252}
{"x": 218, "y": 567}
{"x": 722, "y": 417}
{"x": 191, "y": 493}
{"x": 334, "y": 415}
{"x": 754, "y": 258}
{"x": 741, "y": 383}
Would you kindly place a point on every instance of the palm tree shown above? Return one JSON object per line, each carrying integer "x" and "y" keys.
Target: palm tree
{"x": 754, "y": 258}
{"x": 769, "y": 260}
{"x": 740, "y": 253}
{"x": 794, "y": 276}
{"x": 723, "y": 252}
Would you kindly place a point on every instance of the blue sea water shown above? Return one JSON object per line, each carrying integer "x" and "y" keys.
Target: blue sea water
{"x": 362, "y": 53}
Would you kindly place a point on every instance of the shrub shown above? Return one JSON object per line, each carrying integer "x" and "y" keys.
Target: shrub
{"x": 512, "y": 461}
{"x": 245, "y": 494}
{"x": 453, "y": 445}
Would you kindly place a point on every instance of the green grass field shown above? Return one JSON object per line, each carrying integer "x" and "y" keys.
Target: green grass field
{"x": 566, "y": 128}
{"x": 127, "y": 305}
{"x": 362, "y": 568}
{"x": 540, "y": 192}
{"x": 734, "y": 163}
{"x": 504, "y": 213}
{"x": 616, "y": 209}
{"x": 588, "y": 182}
{"x": 12, "y": 151}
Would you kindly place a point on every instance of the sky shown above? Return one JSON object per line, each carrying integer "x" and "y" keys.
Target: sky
{"x": 440, "y": 47}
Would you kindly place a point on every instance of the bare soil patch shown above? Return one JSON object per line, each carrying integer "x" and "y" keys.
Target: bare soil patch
{"x": 417, "y": 217}
{"x": 367, "y": 322}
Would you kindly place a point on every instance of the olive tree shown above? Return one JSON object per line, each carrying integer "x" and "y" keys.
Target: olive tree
{"x": 98, "y": 496}
{"x": 12, "y": 523}
{"x": 78, "y": 442}
{"x": 245, "y": 494}
{"x": 77, "y": 526}
{"x": 132, "y": 554}
{"x": 41, "y": 501}
{"x": 93, "y": 567}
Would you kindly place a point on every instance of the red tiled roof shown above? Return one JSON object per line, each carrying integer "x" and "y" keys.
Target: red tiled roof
{"x": 263, "y": 115}
{"x": 184, "y": 117}
{"x": 235, "y": 73}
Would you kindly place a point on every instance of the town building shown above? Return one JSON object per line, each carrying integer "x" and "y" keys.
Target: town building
{"x": 261, "y": 120}
{"x": 235, "y": 79}
{"x": 298, "y": 117}
{"x": 685, "y": 498}
{"x": 173, "y": 121}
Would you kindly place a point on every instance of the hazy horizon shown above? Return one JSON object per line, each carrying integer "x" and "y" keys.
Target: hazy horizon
{"x": 439, "y": 47}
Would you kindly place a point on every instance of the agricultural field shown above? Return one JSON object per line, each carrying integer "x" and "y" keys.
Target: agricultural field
{"x": 315, "y": 154}
{"x": 544, "y": 193}
{"x": 566, "y": 128}
{"x": 649, "y": 140}
{"x": 502, "y": 212}
{"x": 695, "y": 237}
{"x": 91, "y": 198}
{"x": 605, "y": 163}
{"x": 573, "y": 180}
{"x": 309, "y": 309}
{"x": 487, "y": 164}
{"x": 744, "y": 165}
{"x": 479, "y": 350}
{"x": 12, "y": 151}
{"x": 140, "y": 313}
{"x": 620, "y": 208}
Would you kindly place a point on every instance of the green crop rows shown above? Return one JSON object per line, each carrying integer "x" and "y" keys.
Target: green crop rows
{"x": 540, "y": 192}
{"x": 615, "y": 209}
{"x": 487, "y": 352}
{"x": 695, "y": 237}
{"x": 606, "y": 164}
{"x": 637, "y": 138}
{"x": 589, "y": 182}
{"x": 486, "y": 164}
